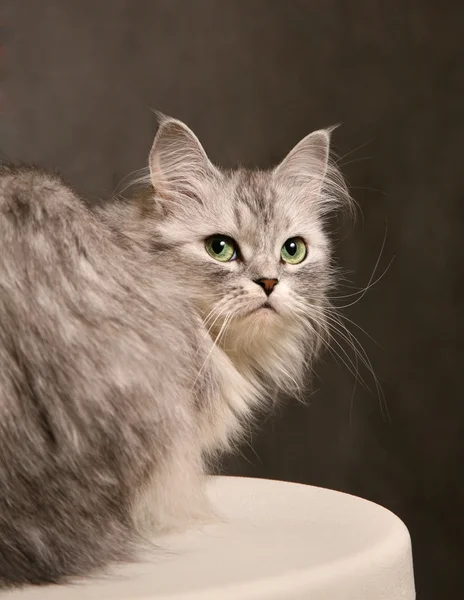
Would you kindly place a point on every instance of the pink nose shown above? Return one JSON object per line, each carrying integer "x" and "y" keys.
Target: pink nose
{"x": 267, "y": 284}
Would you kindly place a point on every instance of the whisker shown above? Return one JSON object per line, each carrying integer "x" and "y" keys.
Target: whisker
{"x": 334, "y": 312}
{"x": 352, "y": 341}
{"x": 371, "y": 281}
{"x": 213, "y": 346}
{"x": 352, "y": 367}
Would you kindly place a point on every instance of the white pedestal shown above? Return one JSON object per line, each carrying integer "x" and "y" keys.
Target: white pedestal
{"x": 279, "y": 541}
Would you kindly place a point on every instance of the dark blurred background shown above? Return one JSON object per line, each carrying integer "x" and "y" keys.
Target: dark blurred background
{"x": 252, "y": 77}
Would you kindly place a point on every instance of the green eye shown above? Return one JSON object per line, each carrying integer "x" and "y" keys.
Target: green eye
{"x": 293, "y": 251}
{"x": 221, "y": 248}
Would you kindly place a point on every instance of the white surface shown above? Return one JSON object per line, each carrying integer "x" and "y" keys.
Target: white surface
{"x": 279, "y": 541}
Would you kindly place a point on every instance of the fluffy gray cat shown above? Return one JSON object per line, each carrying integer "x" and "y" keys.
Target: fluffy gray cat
{"x": 137, "y": 339}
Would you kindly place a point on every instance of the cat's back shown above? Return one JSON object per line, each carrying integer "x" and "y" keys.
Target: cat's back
{"x": 96, "y": 360}
{"x": 75, "y": 293}
{"x": 26, "y": 193}
{"x": 35, "y": 208}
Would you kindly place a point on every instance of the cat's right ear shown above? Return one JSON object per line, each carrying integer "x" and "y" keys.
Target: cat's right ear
{"x": 179, "y": 166}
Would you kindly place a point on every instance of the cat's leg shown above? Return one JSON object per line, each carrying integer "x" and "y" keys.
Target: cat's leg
{"x": 175, "y": 496}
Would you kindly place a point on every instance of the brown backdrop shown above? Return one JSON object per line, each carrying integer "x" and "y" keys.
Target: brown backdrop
{"x": 252, "y": 77}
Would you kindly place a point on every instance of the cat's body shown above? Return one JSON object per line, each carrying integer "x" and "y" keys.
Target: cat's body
{"x": 129, "y": 355}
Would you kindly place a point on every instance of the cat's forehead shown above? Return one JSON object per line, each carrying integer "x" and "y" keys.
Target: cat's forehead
{"x": 253, "y": 198}
{"x": 258, "y": 205}
{"x": 248, "y": 206}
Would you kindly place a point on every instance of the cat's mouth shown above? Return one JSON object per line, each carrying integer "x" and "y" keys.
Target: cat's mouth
{"x": 266, "y": 306}
{"x": 263, "y": 309}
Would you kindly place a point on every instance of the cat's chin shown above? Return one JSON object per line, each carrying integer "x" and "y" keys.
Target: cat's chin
{"x": 264, "y": 311}
{"x": 259, "y": 319}
{"x": 265, "y": 314}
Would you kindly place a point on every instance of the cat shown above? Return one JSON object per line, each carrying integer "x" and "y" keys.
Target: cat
{"x": 138, "y": 337}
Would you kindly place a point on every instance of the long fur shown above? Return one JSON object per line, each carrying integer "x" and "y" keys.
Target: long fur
{"x": 130, "y": 358}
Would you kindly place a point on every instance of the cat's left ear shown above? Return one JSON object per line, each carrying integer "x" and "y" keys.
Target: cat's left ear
{"x": 179, "y": 166}
{"x": 307, "y": 164}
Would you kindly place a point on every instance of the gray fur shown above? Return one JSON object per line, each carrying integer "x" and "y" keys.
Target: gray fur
{"x": 129, "y": 357}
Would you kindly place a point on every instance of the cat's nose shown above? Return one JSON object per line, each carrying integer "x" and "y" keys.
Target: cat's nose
{"x": 267, "y": 284}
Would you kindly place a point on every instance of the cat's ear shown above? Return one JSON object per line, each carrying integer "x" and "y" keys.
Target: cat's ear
{"x": 178, "y": 163}
{"x": 310, "y": 174}
{"x": 308, "y": 162}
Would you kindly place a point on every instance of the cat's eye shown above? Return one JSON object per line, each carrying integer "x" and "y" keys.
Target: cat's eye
{"x": 293, "y": 251}
{"x": 221, "y": 248}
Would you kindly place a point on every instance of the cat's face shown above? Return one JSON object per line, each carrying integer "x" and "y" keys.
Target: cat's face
{"x": 252, "y": 242}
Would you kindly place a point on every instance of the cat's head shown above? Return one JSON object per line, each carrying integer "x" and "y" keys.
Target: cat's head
{"x": 252, "y": 242}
